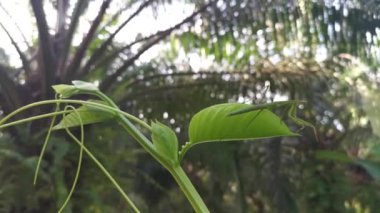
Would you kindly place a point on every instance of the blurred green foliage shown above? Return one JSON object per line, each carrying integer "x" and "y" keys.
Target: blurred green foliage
{"x": 252, "y": 51}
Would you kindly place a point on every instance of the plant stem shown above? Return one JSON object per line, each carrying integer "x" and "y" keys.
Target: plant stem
{"x": 69, "y": 101}
{"x": 104, "y": 170}
{"x": 188, "y": 189}
{"x": 176, "y": 170}
{"x": 45, "y": 145}
{"x": 37, "y": 117}
{"x": 123, "y": 117}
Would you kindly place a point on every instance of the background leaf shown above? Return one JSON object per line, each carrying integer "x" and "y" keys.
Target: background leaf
{"x": 337, "y": 156}
{"x": 371, "y": 167}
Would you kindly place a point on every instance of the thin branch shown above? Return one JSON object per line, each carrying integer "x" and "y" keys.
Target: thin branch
{"x": 114, "y": 17}
{"x": 24, "y": 60}
{"x": 110, "y": 79}
{"x": 180, "y": 74}
{"x": 63, "y": 6}
{"x": 46, "y": 44}
{"x": 102, "y": 49}
{"x": 133, "y": 15}
{"x": 238, "y": 74}
{"x": 80, "y": 53}
{"x": 156, "y": 90}
{"x": 16, "y": 25}
{"x": 69, "y": 36}
{"x": 107, "y": 59}
{"x": 9, "y": 90}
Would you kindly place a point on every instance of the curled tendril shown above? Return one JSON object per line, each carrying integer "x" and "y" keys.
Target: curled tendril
{"x": 104, "y": 107}
{"x": 80, "y": 154}
{"x": 101, "y": 167}
{"x": 57, "y": 101}
{"x": 45, "y": 142}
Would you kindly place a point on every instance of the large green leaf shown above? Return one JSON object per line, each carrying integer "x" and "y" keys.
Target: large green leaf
{"x": 88, "y": 115}
{"x": 215, "y": 124}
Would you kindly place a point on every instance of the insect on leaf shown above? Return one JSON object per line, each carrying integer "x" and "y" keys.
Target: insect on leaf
{"x": 291, "y": 106}
{"x": 215, "y": 124}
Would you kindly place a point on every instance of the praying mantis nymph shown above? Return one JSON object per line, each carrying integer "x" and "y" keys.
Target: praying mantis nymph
{"x": 291, "y": 112}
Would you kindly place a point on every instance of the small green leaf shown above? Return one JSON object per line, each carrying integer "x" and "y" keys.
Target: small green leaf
{"x": 65, "y": 90}
{"x": 88, "y": 115}
{"x": 83, "y": 85}
{"x": 165, "y": 141}
{"x": 215, "y": 124}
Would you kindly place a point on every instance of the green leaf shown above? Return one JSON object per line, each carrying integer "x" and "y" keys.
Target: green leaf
{"x": 333, "y": 155}
{"x": 215, "y": 124}
{"x": 67, "y": 91}
{"x": 83, "y": 85}
{"x": 88, "y": 115}
{"x": 371, "y": 167}
{"x": 374, "y": 152}
{"x": 165, "y": 141}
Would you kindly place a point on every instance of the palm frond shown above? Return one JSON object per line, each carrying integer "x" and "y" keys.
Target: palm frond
{"x": 72, "y": 70}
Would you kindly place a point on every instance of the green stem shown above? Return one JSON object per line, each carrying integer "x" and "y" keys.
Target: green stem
{"x": 142, "y": 140}
{"x": 134, "y": 132}
{"x": 104, "y": 170}
{"x": 45, "y": 144}
{"x": 69, "y": 101}
{"x": 37, "y": 117}
{"x": 76, "y": 177}
{"x": 188, "y": 189}
{"x": 176, "y": 170}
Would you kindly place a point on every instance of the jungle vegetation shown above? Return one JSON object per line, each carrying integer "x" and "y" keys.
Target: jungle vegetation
{"x": 250, "y": 51}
